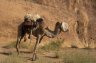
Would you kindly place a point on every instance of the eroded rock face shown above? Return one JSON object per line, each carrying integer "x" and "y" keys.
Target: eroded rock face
{"x": 84, "y": 12}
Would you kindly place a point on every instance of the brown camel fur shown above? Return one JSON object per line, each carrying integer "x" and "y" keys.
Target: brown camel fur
{"x": 39, "y": 32}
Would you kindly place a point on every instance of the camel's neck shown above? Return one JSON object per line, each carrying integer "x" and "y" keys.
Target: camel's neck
{"x": 57, "y": 29}
{"x": 54, "y": 33}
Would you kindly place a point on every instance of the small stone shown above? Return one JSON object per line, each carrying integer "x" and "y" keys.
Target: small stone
{"x": 51, "y": 55}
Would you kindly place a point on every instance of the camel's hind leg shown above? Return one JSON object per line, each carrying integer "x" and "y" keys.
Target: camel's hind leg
{"x": 18, "y": 43}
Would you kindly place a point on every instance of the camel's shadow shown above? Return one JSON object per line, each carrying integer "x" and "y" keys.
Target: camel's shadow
{"x": 4, "y": 53}
{"x": 10, "y": 51}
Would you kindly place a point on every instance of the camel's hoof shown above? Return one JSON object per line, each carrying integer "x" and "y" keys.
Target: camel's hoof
{"x": 34, "y": 57}
{"x": 17, "y": 51}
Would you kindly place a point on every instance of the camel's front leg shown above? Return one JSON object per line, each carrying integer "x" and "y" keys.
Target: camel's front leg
{"x": 35, "y": 47}
{"x": 41, "y": 38}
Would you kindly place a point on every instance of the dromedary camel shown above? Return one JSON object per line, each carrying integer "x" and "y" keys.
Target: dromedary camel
{"x": 39, "y": 32}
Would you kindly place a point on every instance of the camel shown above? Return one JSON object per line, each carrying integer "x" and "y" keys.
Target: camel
{"x": 39, "y": 32}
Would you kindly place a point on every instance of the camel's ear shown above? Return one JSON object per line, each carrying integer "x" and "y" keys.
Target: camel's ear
{"x": 60, "y": 23}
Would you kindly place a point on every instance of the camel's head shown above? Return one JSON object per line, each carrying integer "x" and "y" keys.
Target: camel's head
{"x": 64, "y": 27}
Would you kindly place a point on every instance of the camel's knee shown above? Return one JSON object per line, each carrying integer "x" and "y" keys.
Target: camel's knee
{"x": 25, "y": 38}
{"x": 29, "y": 37}
{"x": 17, "y": 49}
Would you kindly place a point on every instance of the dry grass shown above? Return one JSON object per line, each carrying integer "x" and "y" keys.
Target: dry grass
{"x": 52, "y": 46}
{"x": 14, "y": 58}
{"x": 79, "y": 56}
{"x": 68, "y": 55}
{"x": 13, "y": 45}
